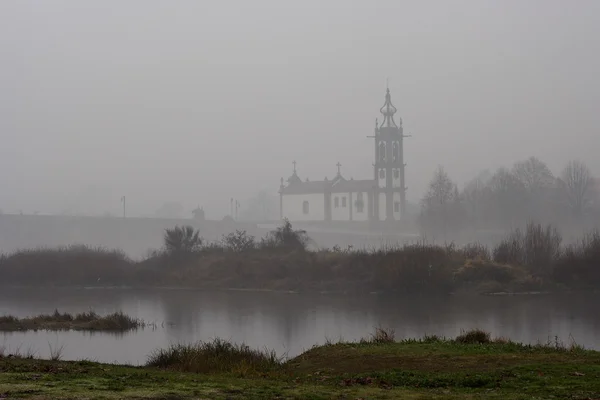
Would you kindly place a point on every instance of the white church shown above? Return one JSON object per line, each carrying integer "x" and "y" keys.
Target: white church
{"x": 381, "y": 198}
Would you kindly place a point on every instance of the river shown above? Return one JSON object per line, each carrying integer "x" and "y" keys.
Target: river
{"x": 288, "y": 323}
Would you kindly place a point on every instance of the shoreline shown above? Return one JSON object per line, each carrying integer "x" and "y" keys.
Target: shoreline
{"x": 376, "y": 368}
{"x": 306, "y": 292}
{"x": 117, "y": 322}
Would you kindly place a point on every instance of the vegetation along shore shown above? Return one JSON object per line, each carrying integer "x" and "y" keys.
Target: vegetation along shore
{"x": 87, "y": 321}
{"x": 529, "y": 259}
{"x": 470, "y": 366}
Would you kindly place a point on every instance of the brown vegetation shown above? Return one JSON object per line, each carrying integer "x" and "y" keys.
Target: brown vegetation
{"x": 89, "y": 321}
{"x": 529, "y": 259}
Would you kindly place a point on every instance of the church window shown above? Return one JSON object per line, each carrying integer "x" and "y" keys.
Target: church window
{"x": 360, "y": 204}
{"x": 382, "y": 173}
{"x": 305, "y": 207}
{"x": 344, "y": 201}
{"x": 396, "y": 151}
{"x": 396, "y": 173}
{"x": 381, "y": 151}
{"x": 396, "y": 206}
{"x": 336, "y": 202}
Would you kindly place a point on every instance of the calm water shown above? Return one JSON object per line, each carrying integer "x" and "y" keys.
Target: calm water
{"x": 289, "y": 323}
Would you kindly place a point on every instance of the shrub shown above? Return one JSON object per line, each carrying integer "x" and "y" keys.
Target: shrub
{"x": 216, "y": 356}
{"x": 286, "y": 236}
{"x": 182, "y": 239}
{"x": 537, "y": 248}
{"x": 117, "y": 321}
{"x": 474, "y": 336}
{"x": 238, "y": 241}
{"x": 483, "y": 271}
{"x": 68, "y": 265}
{"x": 476, "y": 251}
{"x": 580, "y": 262}
{"x": 383, "y": 335}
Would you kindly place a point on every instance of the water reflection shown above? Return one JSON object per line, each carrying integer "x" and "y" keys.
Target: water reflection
{"x": 289, "y": 323}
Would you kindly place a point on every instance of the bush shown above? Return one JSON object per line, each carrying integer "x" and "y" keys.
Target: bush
{"x": 184, "y": 239}
{"x": 537, "y": 248}
{"x": 413, "y": 267}
{"x": 70, "y": 265}
{"x": 238, "y": 241}
{"x": 474, "y": 336}
{"x": 286, "y": 237}
{"x": 580, "y": 262}
{"x": 382, "y": 335}
{"x": 216, "y": 356}
{"x": 476, "y": 251}
{"x": 484, "y": 271}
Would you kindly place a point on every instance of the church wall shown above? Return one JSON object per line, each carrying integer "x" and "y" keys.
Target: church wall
{"x": 397, "y": 200}
{"x": 396, "y": 180}
{"x": 381, "y": 179}
{"x": 382, "y": 206}
{"x": 293, "y": 207}
{"x": 364, "y": 215}
{"x": 342, "y": 211}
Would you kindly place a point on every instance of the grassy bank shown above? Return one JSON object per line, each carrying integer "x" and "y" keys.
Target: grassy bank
{"x": 87, "y": 321}
{"x": 471, "y": 366}
{"x": 532, "y": 259}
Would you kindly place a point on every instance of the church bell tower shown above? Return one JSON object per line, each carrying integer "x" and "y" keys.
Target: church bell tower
{"x": 390, "y": 190}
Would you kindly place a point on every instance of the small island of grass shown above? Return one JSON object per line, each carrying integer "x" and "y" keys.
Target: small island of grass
{"x": 87, "y": 321}
{"x": 471, "y": 366}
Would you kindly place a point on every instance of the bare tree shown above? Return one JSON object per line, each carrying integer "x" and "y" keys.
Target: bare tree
{"x": 476, "y": 199}
{"x": 538, "y": 184}
{"x": 439, "y": 207}
{"x": 508, "y": 195}
{"x": 534, "y": 174}
{"x": 577, "y": 187}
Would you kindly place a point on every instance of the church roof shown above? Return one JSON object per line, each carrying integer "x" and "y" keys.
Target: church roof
{"x": 361, "y": 185}
{"x": 307, "y": 187}
{"x": 388, "y": 110}
{"x": 294, "y": 179}
{"x": 327, "y": 186}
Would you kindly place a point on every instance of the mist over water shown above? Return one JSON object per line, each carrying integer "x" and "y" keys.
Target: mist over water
{"x": 291, "y": 323}
{"x": 122, "y": 120}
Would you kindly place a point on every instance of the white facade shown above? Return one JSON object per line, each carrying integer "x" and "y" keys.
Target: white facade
{"x": 360, "y": 213}
{"x": 396, "y": 206}
{"x": 340, "y": 206}
{"x": 338, "y": 199}
{"x": 396, "y": 178}
{"x": 382, "y": 206}
{"x": 381, "y": 178}
{"x": 303, "y": 207}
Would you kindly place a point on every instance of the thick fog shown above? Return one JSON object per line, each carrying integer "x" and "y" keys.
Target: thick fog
{"x": 195, "y": 102}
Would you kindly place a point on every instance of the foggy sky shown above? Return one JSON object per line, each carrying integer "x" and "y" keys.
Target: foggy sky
{"x": 198, "y": 101}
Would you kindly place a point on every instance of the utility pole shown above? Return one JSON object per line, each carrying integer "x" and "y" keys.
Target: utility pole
{"x": 231, "y": 207}
{"x": 124, "y": 205}
{"x": 237, "y": 206}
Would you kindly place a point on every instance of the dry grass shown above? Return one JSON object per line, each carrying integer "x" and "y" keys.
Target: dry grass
{"x": 530, "y": 259}
{"x": 474, "y": 336}
{"x": 381, "y": 335}
{"x": 91, "y": 321}
{"x": 216, "y": 356}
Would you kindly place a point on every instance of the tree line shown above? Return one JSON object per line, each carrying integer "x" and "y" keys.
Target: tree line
{"x": 508, "y": 197}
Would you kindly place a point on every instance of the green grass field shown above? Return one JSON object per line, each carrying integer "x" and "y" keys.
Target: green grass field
{"x": 430, "y": 368}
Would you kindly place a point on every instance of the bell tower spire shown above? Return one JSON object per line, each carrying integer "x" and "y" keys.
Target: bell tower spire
{"x": 390, "y": 191}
